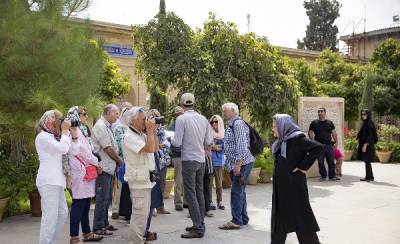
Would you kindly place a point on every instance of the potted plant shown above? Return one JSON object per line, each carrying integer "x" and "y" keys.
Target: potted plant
{"x": 6, "y": 184}
{"x": 386, "y": 133}
{"x": 266, "y": 163}
{"x": 27, "y": 171}
{"x": 169, "y": 183}
{"x": 226, "y": 178}
{"x": 350, "y": 144}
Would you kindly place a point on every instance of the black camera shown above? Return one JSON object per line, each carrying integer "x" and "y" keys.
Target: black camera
{"x": 154, "y": 176}
{"x": 74, "y": 118}
{"x": 160, "y": 120}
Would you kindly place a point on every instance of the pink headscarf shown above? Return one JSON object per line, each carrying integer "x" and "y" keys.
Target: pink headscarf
{"x": 221, "y": 130}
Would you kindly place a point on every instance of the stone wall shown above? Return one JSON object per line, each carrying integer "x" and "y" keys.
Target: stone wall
{"x": 308, "y": 111}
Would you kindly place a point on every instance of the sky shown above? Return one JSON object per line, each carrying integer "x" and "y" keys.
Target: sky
{"x": 282, "y": 21}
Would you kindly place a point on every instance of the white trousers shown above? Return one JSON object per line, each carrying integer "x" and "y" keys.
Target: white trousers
{"x": 54, "y": 213}
{"x": 116, "y": 196}
{"x": 141, "y": 201}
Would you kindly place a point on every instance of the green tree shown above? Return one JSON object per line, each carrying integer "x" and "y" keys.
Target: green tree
{"x": 214, "y": 51}
{"x": 45, "y": 63}
{"x": 304, "y": 73}
{"x": 340, "y": 79}
{"x": 386, "y": 59}
{"x": 367, "y": 99}
{"x": 321, "y": 31}
{"x": 114, "y": 84}
{"x": 164, "y": 59}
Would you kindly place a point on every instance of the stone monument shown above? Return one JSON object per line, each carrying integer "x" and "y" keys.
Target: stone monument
{"x": 308, "y": 111}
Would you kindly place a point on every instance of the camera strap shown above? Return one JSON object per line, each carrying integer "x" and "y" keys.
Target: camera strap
{"x": 135, "y": 131}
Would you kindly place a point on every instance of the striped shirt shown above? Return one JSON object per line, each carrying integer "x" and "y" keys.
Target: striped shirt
{"x": 237, "y": 143}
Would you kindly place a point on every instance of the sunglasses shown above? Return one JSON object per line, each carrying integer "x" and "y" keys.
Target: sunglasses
{"x": 321, "y": 111}
{"x": 214, "y": 122}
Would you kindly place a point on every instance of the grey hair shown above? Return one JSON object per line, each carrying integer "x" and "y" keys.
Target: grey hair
{"x": 132, "y": 114}
{"x": 231, "y": 106}
{"x": 42, "y": 122}
{"x": 108, "y": 108}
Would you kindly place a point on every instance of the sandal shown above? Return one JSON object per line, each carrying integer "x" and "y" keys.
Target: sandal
{"x": 151, "y": 236}
{"x": 111, "y": 228}
{"x": 229, "y": 226}
{"x": 74, "y": 240}
{"x": 103, "y": 232}
{"x": 91, "y": 237}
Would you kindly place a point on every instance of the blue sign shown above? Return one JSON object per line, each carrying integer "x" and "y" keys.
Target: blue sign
{"x": 119, "y": 51}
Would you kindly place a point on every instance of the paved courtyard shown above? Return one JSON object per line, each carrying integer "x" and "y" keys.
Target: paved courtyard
{"x": 348, "y": 211}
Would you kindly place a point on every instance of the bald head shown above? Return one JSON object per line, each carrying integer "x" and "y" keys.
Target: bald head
{"x": 111, "y": 113}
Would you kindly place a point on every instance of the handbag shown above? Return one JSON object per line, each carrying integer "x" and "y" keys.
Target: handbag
{"x": 209, "y": 169}
{"x": 91, "y": 170}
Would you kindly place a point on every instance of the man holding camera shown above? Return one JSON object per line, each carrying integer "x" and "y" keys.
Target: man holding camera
{"x": 104, "y": 145}
{"x": 140, "y": 143}
{"x": 193, "y": 135}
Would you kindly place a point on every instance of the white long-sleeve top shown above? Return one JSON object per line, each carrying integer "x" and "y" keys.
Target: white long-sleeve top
{"x": 50, "y": 153}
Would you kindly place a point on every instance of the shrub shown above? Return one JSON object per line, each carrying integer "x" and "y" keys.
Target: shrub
{"x": 265, "y": 161}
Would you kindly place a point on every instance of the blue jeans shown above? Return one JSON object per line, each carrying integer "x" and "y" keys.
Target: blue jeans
{"x": 103, "y": 201}
{"x": 79, "y": 215}
{"x": 238, "y": 195}
{"x": 328, "y": 154}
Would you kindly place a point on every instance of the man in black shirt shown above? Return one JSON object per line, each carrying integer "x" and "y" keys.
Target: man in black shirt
{"x": 323, "y": 131}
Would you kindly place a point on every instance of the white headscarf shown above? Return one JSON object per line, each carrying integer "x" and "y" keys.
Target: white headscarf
{"x": 221, "y": 130}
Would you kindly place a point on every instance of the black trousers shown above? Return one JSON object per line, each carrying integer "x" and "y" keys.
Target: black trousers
{"x": 303, "y": 237}
{"x": 207, "y": 189}
{"x": 369, "y": 175}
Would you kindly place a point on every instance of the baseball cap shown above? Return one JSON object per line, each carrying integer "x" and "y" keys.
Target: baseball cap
{"x": 187, "y": 99}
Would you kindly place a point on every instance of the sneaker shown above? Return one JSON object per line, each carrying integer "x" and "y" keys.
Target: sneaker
{"x": 212, "y": 206}
{"x": 178, "y": 208}
{"x": 322, "y": 179}
{"x": 162, "y": 211}
{"x": 334, "y": 179}
{"x": 220, "y": 206}
{"x": 192, "y": 234}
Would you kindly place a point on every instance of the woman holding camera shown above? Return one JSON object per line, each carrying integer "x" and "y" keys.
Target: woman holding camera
{"x": 82, "y": 184}
{"x": 140, "y": 144}
{"x": 50, "y": 179}
{"x": 163, "y": 160}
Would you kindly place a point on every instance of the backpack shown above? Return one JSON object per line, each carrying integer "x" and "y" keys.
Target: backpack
{"x": 256, "y": 143}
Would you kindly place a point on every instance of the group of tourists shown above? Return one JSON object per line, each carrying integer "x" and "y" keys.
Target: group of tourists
{"x": 122, "y": 163}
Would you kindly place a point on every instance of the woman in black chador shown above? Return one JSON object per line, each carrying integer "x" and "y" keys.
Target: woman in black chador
{"x": 291, "y": 210}
{"x": 367, "y": 138}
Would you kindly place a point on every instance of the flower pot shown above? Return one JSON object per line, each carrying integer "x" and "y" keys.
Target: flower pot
{"x": 3, "y": 205}
{"x": 265, "y": 177}
{"x": 384, "y": 156}
{"x": 34, "y": 199}
{"x": 253, "y": 177}
{"x": 347, "y": 155}
{"x": 168, "y": 188}
{"x": 226, "y": 180}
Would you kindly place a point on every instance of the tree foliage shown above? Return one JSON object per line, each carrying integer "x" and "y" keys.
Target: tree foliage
{"x": 114, "y": 83}
{"x": 163, "y": 48}
{"x": 386, "y": 59}
{"x": 321, "y": 31}
{"x": 44, "y": 63}
{"x": 304, "y": 73}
